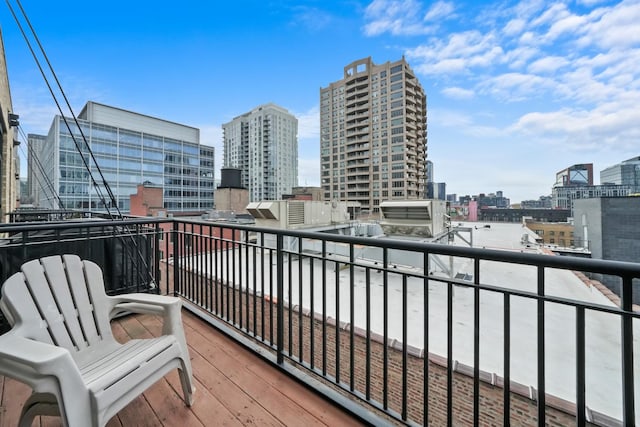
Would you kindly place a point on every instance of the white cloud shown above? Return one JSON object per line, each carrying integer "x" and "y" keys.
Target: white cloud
{"x": 458, "y": 93}
{"x": 439, "y": 10}
{"x": 617, "y": 27}
{"x": 515, "y": 26}
{"x": 511, "y": 87}
{"x": 312, "y": 18}
{"x": 556, "y": 12}
{"x": 309, "y": 123}
{"x": 607, "y": 126}
{"x": 460, "y": 52}
{"x": 397, "y": 17}
{"x": 548, "y": 64}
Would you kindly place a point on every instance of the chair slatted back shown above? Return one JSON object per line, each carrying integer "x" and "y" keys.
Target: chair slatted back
{"x": 60, "y": 300}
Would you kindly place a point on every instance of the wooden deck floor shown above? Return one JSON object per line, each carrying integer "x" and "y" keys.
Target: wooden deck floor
{"x": 233, "y": 388}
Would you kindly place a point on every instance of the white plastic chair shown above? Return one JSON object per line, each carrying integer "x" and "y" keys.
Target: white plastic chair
{"x": 62, "y": 346}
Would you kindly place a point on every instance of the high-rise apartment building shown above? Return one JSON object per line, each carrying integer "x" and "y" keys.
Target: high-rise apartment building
{"x": 130, "y": 149}
{"x": 373, "y": 134}
{"x": 263, "y": 143}
{"x": 624, "y": 173}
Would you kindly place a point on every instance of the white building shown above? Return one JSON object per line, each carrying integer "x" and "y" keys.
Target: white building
{"x": 263, "y": 143}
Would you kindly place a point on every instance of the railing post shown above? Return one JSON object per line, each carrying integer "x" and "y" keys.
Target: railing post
{"x": 628, "y": 410}
{"x": 280, "y": 300}
{"x": 176, "y": 256}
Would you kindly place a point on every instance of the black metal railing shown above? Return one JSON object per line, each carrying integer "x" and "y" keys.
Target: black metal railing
{"x": 422, "y": 333}
{"x": 362, "y": 314}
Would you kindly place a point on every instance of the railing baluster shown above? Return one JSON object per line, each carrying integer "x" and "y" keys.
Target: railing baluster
{"x": 541, "y": 350}
{"x": 580, "y": 367}
{"x": 449, "y": 354}
{"x": 300, "y": 318}
{"x": 385, "y": 328}
{"x": 628, "y": 399}
{"x": 280, "y": 298}
{"x": 324, "y": 307}
{"x": 351, "y": 317}
{"x": 425, "y": 337}
{"x": 404, "y": 347}
{"x": 337, "y": 327}
{"x": 368, "y": 332}
{"x": 312, "y": 317}
{"x": 290, "y": 303}
{"x": 506, "y": 411}
{"x": 476, "y": 342}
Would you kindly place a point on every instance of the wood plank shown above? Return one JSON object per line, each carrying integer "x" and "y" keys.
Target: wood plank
{"x": 168, "y": 405}
{"x": 280, "y": 397}
{"x": 242, "y": 406}
{"x": 205, "y": 403}
{"x": 14, "y": 395}
{"x": 311, "y": 402}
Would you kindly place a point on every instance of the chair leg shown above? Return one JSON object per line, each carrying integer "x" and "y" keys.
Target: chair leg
{"x": 38, "y": 404}
{"x": 186, "y": 380}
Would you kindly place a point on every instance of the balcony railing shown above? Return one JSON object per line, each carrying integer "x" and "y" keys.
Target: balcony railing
{"x": 423, "y": 333}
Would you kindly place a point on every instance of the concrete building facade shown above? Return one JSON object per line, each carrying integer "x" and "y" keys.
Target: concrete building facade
{"x": 610, "y": 225}
{"x": 130, "y": 149}
{"x": 624, "y": 173}
{"x": 263, "y": 144}
{"x": 9, "y": 172}
{"x": 373, "y": 135}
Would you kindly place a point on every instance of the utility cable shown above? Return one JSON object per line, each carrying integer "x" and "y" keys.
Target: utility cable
{"x": 77, "y": 145}
{"x": 63, "y": 116}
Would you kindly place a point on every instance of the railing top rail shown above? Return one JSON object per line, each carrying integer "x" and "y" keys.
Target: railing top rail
{"x": 618, "y": 268}
{"x": 79, "y": 223}
{"x": 562, "y": 262}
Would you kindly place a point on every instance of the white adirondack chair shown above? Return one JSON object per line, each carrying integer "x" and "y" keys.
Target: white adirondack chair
{"x": 61, "y": 342}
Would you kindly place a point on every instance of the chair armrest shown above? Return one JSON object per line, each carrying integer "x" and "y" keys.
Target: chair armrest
{"x": 165, "y": 306}
{"x": 29, "y": 361}
{"x": 138, "y": 303}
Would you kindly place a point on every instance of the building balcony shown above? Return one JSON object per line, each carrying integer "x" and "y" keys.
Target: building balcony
{"x": 381, "y": 331}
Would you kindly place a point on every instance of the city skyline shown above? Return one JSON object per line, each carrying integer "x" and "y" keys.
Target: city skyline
{"x": 516, "y": 91}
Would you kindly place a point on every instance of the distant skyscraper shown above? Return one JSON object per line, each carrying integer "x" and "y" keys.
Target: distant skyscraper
{"x": 130, "y": 149}
{"x": 624, "y": 173}
{"x": 373, "y": 134}
{"x": 263, "y": 143}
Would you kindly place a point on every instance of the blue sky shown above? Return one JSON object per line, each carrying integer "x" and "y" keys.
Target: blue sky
{"x": 517, "y": 90}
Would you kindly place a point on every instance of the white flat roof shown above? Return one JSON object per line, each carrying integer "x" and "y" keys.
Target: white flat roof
{"x": 603, "y": 333}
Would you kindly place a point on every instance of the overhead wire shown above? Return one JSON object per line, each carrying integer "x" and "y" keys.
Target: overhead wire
{"x": 112, "y": 199}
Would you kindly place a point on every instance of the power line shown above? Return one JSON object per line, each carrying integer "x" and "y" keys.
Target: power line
{"x": 112, "y": 198}
{"x": 113, "y": 201}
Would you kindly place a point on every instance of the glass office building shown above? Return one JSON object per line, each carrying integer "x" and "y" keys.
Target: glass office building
{"x": 130, "y": 149}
